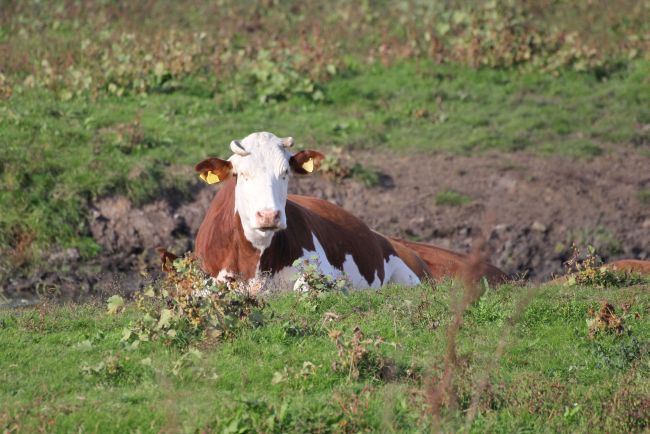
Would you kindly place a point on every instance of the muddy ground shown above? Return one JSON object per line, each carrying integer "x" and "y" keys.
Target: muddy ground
{"x": 534, "y": 208}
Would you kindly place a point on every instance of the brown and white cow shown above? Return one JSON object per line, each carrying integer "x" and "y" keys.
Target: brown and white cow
{"x": 255, "y": 230}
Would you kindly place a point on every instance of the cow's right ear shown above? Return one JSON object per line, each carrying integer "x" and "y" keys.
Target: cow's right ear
{"x": 214, "y": 170}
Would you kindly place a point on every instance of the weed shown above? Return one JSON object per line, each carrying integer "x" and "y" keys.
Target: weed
{"x": 114, "y": 369}
{"x": 312, "y": 284}
{"x": 336, "y": 167}
{"x": 590, "y": 271}
{"x": 605, "y": 320}
{"x": 131, "y": 58}
{"x": 360, "y": 357}
{"x": 269, "y": 81}
{"x": 253, "y": 415}
{"x": 451, "y": 198}
{"x": 296, "y": 376}
{"x": 369, "y": 177}
{"x": 190, "y": 305}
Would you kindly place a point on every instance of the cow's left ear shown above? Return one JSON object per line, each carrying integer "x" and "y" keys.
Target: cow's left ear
{"x": 305, "y": 162}
{"x": 214, "y": 170}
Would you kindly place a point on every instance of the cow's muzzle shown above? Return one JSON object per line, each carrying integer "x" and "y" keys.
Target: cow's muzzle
{"x": 268, "y": 220}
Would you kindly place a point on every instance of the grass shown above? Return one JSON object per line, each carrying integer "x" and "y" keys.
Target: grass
{"x": 451, "y": 198}
{"x": 63, "y": 368}
{"x": 62, "y": 155}
{"x": 131, "y": 109}
{"x": 644, "y": 197}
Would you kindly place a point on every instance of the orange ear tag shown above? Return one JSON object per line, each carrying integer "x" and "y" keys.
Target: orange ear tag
{"x": 210, "y": 177}
{"x": 308, "y": 166}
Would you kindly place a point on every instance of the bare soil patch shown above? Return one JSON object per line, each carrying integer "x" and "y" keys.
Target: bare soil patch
{"x": 534, "y": 208}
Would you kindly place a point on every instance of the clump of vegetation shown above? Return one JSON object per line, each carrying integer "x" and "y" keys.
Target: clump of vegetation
{"x": 190, "y": 305}
{"x": 336, "y": 167}
{"x": 605, "y": 320}
{"x": 644, "y": 197}
{"x": 73, "y": 59}
{"x": 589, "y": 270}
{"x": 268, "y": 81}
{"x": 452, "y": 198}
{"x": 114, "y": 369}
{"x": 312, "y": 284}
{"x": 360, "y": 357}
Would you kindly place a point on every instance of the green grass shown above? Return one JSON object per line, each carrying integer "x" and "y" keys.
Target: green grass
{"x": 452, "y": 198}
{"x": 61, "y": 155}
{"x": 644, "y": 197}
{"x": 552, "y": 376}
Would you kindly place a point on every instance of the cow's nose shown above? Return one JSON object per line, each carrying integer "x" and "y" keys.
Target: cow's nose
{"x": 268, "y": 218}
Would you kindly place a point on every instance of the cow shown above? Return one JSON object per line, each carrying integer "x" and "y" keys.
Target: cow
{"x": 255, "y": 231}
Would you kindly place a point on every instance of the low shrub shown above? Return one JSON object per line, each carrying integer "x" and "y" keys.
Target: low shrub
{"x": 188, "y": 305}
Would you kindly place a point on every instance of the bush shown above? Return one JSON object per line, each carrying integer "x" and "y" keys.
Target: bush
{"x": 190, "y": 305}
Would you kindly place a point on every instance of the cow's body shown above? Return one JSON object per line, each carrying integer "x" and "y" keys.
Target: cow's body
{"x": 255, "y": 231}
{"x": 317, "y": 231}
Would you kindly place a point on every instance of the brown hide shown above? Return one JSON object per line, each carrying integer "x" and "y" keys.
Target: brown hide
{"x": 631, "y": 266}
{"x": 221, "y": 244}
{"x": 339, "y": 232}
{"x": 443, "y": 263}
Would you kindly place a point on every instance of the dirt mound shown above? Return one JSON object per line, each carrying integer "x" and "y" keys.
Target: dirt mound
{"x": 539, "y": 206}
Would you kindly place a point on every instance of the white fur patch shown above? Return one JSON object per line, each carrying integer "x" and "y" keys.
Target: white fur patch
{"x": 262, "y": 183}
{"x": 395, "y": 271}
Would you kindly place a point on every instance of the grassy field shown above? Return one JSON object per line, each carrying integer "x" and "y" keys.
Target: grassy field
{"x": 103, "y": 98}
{"x": 66, "y": 369}
{"x": 130, "y": 109}
{"x": 61, "y": 155}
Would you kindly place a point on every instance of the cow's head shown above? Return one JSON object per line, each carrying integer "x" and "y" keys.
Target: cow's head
{"x": 261, "y": 165}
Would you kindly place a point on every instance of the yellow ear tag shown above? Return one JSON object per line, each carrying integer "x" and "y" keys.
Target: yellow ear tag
{"x": 308, "y": 165}
{"x": 210, "y": 177}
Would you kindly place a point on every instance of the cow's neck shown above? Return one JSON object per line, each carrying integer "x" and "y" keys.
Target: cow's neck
{"x": 221, "y": 243}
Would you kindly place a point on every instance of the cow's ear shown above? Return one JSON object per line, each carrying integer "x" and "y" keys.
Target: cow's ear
{"x": 214, "y": 170}
{"x": 305, "y": 162}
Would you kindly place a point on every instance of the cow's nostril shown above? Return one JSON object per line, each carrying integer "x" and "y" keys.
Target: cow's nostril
{"x": 268, "y": 218}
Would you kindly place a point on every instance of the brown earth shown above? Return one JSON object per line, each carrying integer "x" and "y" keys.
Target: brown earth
{"x": 533, "y": 207}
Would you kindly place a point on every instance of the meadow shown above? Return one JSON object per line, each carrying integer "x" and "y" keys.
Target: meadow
{"x": 297, "y": 365}
{"x": 99, "y": 99}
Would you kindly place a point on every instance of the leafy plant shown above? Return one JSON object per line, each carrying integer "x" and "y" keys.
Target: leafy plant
{"x": 312, "y": 284}
{"x": 114, "y": 369}
{"x": 369, "y": 177}
{"x": 191, "y": 305}
{"x": 268, "y": 81}
{"x": 590, "y": 271}
{"x": 605, "y": 320}
{"x": 360, "y": 357}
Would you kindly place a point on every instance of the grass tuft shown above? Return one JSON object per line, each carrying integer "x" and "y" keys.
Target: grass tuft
{"x": 452, "y": 198}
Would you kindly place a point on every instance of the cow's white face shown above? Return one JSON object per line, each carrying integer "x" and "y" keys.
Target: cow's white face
{"x": 262, "y": 164}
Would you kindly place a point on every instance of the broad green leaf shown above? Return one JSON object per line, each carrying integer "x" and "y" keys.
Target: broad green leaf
{"x": 115, "y": 304}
